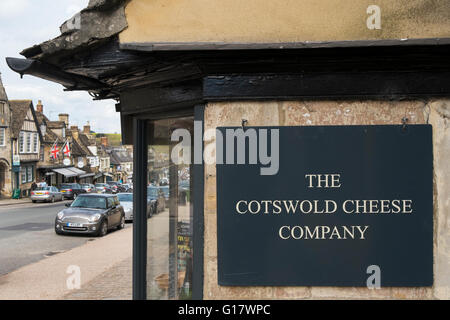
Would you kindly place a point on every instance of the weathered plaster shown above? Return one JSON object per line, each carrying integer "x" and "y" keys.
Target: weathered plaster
{"x": 264, "y": 21}
{"x": 439, "y": 112}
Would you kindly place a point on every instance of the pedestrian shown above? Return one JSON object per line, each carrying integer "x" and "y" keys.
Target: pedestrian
{"x": 33, "y": 186}
{"x": 43, "y": 183}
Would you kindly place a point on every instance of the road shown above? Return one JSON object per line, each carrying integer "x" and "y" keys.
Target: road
{"x": 27, "y": 235}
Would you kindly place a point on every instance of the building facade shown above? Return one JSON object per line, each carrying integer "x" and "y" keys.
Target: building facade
{"x": 25, "y": 143}
{"x": 6, "y": 186}
{"x": 271, "y": 64}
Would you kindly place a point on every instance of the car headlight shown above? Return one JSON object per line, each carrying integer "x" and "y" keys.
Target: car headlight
{"x": 60, "y": 215}
{"x": 95, "y": 217}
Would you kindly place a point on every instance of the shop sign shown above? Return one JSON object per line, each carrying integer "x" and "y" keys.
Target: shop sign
{"x": 349, "y": 206}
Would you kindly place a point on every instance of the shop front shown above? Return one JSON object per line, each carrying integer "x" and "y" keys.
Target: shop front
{"x": 343, "y": 97}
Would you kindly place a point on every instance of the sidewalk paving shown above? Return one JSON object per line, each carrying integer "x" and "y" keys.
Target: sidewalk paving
{"x": 9, "y": 202}
{"x": 105, "y": 265}
{"x": 113, "y": 284}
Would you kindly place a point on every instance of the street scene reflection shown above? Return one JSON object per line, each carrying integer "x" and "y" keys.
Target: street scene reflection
{"x": 169, "y": 265}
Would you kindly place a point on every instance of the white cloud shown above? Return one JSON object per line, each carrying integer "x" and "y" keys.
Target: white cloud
{"x": 73, "y": 9}
{"x": 39, "y": 21}
{"x": 12, "y": 8}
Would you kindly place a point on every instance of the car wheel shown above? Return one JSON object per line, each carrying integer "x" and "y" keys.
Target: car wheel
{"x": 52, "y": 200}
{"x": 34, "y": 201}
{"x": 74, "y": 196}
{"x": 122, "y": 223}
{"x": 103, "y": 230}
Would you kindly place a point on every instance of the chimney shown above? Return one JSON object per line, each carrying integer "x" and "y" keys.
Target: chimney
{"x": 64, "y": 117}
{"x": 75, "y": 132}
{"x": 39, "y": 107}
{"x": 87, "y": 128}
{"x": 104, "y": 141}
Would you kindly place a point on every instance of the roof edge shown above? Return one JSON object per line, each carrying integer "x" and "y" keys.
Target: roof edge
{"x": 192, "y": 46}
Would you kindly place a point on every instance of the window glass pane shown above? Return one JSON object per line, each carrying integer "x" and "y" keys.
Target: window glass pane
{"x": 21, "y": 142}
{"x": 23, "y": 174}
{"x": 169, "y": 265}
{"x": 2, "y": 136}
{"x": 35, "y": 143}
{"x": 30, "y": 173}
{"x": 110, "y": 202}
{"x": 28, "y": 142}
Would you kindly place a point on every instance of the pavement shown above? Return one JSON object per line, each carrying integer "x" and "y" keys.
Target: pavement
{"x": 8, "y": 202}
{"x": 92, "y": 269}
{"x": 104, "y": 268}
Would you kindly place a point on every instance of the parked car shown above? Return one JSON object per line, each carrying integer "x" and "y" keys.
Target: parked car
{"x": 126, "y": 200}
{"x": 46, "y": 194}
{"x": 91, "y": 214}
{"x": 102, "y": 188}
{"x": 165, "y": 190}
{"x": 125, "y": 188}
{"x": 71, "y": 190}
{"x": 156, "y": 199}
{"x": 88, "y": 187}
{"x": 114, "y": 185}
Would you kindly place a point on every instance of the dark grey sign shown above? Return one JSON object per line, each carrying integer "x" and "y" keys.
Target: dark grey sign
{"x": 348, "y": 206}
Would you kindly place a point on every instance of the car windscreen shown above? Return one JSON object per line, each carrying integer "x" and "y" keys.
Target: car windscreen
{"x": 67, "y": 186}
{"x": 125, "y": 197}
{"x": 165, "y": 190}
{"x": 152, "y": 192}
{"x": 43, "y": 189}
{"x": 100, "y": 185}
{"x": 89, "y": 202}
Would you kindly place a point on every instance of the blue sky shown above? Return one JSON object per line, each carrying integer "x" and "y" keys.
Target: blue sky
{"x": 24, "y": 23}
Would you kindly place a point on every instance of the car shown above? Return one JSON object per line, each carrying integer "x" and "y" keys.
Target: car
{"x": 46, "y": 194}
{"x": 126, "y": 200}
{"x": 164, "y": 182}
{"x": 166, "y": 191}
{"x": 156, "y": 199}
{"x": 71, "y": 190}
{"x": 127, "y": 188}
{"x": 102, "y": 188}
{"x": 88, "y": 187}
{"x": 114, "y": 185}
{"x": 92, "y": 214}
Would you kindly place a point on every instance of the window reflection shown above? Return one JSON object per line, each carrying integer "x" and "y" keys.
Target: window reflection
{"x": 169, "y": 265}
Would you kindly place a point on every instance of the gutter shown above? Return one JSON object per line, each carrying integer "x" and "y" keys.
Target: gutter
{"x": 48, "y": 72}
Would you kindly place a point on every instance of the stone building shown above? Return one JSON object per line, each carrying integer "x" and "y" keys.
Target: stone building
{"x": 258, "y": 63}
{"x": 63, "y": 168}
{"x": 25, "y": 143}
{"x": 5, "y": 144}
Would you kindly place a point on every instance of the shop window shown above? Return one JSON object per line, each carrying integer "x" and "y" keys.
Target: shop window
{"x": 23, "y": 175}
{"x": 170, "y": 227}
{"x": 30, "y": 173}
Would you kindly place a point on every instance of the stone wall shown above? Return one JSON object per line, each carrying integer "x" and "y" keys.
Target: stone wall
{"x": 306, "y": 113}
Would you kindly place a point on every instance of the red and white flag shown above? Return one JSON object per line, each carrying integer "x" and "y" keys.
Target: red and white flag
{"x": 54, "y": 151}
{"x": 66, "y": 149}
